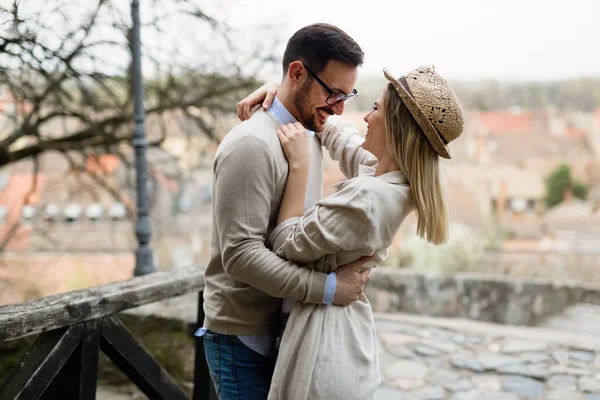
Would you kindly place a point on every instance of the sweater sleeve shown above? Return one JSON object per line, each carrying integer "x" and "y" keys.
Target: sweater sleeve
{"x": 245, "y": 184}
{"x": 340, "y": 222}
{"x": 344, "y": 144}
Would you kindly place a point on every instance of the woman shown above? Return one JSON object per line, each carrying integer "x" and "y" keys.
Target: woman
{"x": 330, "y": 352}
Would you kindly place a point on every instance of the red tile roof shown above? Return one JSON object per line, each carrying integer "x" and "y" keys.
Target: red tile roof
{"x": 505, "y": 122}
{"x": 106, "y": 163}
{"x": 574, "y": 133}
{"x": 14, "y": 197}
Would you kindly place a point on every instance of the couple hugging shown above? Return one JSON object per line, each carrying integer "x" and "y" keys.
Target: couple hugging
{"x": 286, "y": 317}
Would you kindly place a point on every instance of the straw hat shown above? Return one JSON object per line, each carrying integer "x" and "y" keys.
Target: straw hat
{"x": 433, "y": 104}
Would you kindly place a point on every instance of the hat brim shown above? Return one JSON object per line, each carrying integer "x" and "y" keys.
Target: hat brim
{"x": 430, "y": 132}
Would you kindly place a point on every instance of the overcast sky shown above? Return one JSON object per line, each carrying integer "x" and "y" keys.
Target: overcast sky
{"x": 464, "y": 39}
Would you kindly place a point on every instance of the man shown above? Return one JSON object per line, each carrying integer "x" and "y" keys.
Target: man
{"x": 245, "y": 281}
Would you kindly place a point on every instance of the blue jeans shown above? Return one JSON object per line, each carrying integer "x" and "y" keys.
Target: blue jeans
{"x": 238, "y": 372}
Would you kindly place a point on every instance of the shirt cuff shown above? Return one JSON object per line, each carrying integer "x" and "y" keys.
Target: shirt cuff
{"x": 330, "y": 286}
{"x": 200, "y": 332}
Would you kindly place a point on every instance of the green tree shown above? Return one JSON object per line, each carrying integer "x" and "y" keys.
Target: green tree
{"x": 558, "y": 182}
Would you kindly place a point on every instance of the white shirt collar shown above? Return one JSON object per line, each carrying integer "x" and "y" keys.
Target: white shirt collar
{"x": 393, "y": 177}
{"x": 282, "y": 115}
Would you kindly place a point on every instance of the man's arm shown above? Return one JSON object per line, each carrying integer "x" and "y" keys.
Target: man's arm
{"x": 245, "y": 184}
{"x": 246, "y": 181}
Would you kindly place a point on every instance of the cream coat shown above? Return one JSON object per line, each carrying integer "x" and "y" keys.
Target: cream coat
{"x": 330, "y": 352}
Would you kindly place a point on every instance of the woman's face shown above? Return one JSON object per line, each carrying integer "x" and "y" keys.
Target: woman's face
{"x": 375, "y": 142}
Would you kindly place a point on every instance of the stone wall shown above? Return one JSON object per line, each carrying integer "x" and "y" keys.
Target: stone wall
{"x": 500, "y": 299}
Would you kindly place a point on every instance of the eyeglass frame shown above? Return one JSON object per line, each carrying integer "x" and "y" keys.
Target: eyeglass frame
{"x": 346, "y": 97}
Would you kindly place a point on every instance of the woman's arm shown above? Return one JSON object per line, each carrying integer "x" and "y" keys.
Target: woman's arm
{"x": 294, "y": 140}
{"x": 340, "y": 138}
{"x": 265, "y": 94}
{"x": 340, "y": 222}
{"x": 363, "y": 215}
{"x": 344, "y": 144}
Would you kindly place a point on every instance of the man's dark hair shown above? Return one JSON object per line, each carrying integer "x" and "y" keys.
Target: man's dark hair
{"x": 317, "y": 44}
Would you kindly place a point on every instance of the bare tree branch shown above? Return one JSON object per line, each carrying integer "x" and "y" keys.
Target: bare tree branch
{"x": 65, "y": 75}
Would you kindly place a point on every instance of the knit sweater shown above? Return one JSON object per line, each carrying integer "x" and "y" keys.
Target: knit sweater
{"x": 244, "y": 280}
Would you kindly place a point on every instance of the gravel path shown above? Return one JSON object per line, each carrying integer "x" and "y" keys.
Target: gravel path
{"x": 431, "y": 358}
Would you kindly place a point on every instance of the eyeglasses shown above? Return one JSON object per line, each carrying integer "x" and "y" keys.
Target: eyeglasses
{"x": 334, "y": 97}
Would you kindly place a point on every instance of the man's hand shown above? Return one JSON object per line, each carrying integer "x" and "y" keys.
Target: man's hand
{"x": 350, "y": 282}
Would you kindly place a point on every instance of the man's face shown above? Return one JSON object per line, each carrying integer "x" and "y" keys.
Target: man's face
{"x": 311, "y": 97}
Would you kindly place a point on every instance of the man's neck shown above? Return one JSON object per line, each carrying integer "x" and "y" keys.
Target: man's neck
{"x": 286, "y": 98}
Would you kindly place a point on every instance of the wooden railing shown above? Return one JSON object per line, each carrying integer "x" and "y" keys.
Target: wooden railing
{"x": 74, "y": 327}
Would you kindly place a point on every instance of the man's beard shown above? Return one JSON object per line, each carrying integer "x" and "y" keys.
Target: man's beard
{"x": 306, "y": 116}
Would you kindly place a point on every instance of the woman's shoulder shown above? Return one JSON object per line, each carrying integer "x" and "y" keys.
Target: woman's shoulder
{"x": 385, "y": 202}
{"x": 376, "y": 187}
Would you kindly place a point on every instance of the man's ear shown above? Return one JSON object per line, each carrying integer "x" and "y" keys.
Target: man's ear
{"x": 296, "y": 73}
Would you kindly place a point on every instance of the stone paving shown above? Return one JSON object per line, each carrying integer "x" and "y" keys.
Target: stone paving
{"x": 466, "y": 360}
{"x": 440, "y": 358}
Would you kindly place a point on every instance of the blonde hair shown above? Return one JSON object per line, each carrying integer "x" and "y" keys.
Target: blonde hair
{"x": 420, "y": 164}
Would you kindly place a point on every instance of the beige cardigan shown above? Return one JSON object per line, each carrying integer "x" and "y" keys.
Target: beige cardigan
{"x": 330, "y": 352}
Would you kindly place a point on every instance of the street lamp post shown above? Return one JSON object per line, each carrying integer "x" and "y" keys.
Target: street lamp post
{"x": 144, "y": 261}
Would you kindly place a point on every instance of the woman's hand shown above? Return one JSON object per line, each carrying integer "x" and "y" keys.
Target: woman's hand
{"x": 266, "y": 93}
{"x": 294, "y": 140}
